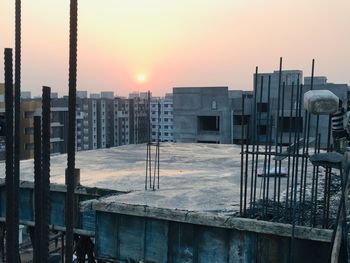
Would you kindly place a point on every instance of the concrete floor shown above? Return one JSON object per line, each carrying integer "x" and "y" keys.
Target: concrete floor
{"x": 195, "y": 177}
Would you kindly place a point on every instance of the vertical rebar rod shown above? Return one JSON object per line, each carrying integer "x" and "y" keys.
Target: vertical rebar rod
{"x": 146, "y": 178}
{"x": 46, "y": 129}
{"x": 253, "y": 176}
{"x": 276, "y": 135}
{"x": 318, "y": 147}
{"x": 38, "y": 216}
{"x": 158, "y": 141}
{"x": 10, "y": 226}
{"x": 329, "y": 174}
{"x": 268, "y": 130}
{"x": 258, "y": 133}
{"x": 17, "y": 126}
{"x": 289, "y": 143}
{"x": 308, "y": 126}
{"x": 70, "y": 198}
{"x": 295, "y": 175}
{"x": 242, "y": 190}
{"x": 303, "y": 160}
{"x": 246, "y": 171}
{"x": 281, "y": 130}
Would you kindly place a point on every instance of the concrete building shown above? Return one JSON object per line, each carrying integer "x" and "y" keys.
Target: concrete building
{"x": 161, "y": 112}
{"x": 29, "y": 108}
{"x": 202, "y": 114}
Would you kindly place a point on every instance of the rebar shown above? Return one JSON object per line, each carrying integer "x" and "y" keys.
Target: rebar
{"x": 70, "y": 198}
{"x": 11, "y": 253}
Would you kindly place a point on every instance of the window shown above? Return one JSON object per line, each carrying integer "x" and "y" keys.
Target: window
{"x": 166, "y": 134}
{"x": 166, "y": 105}
{"x": 209, "y": 123}
{"x": 262, "y": 129}
{"x": 238, "y": 120}
{"x": 29, "y": 146}
{"x": 262, "y": 107}
{"x": 28, "y": 114}
{"x": 166, "y": 112}
{"x": 28, "y": 130}
{"x": 166, "y": 126}
{"x": 166, "y": 119}
{"x": 290, "y": 124}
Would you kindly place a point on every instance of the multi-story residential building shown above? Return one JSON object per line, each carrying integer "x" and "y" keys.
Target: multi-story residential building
{"x": 202, "y": 114}
{"x": 214, "y": 114}
{"x": 161, "y": 112}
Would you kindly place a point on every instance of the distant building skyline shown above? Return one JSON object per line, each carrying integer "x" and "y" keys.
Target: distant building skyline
{"x": 156, "y": 45}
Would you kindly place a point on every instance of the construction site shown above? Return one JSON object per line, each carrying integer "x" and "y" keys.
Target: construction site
{"x": 281, "y": 195}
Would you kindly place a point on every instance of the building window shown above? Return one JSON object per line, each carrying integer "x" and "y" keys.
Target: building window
{"x": 262, "y": 107}
{"x": 209, "y": 123}
{"x": 28, "y": 114}
{"x": 290, "y": 124}
{"x": 28, "y": 130}
{"x": 29, "y": 146}
{"x": 166, "y": 119}
{"x": 166, "y": 112}
{"x": 262, "y": 129}
{"x": 166, "y": 105}
{"x": 238, "y": 120}
{"x": 166, "y": 126}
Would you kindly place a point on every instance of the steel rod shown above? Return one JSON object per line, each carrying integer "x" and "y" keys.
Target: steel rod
{"x": 70, "y": 198}
{"x": 17, "y": 130}
{"x": 38, "y": 216}
{"x": 46, "y": 130}
{"x": 10, "y": 224}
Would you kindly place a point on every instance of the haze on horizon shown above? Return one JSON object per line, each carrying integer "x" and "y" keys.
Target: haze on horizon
{"x": 177, "y": 43}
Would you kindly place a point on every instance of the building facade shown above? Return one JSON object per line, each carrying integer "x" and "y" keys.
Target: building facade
{"x": 202, "y": 114}
{"x": 162, "y": 119}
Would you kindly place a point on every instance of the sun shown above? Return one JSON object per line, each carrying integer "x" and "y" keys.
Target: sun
{"x": 141, "y": 77}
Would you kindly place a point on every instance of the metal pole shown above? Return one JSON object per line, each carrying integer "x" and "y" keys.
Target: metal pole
{"x": 37, "y": 190}
{"x": 276, "y": 138}
{"x": 242, "y": 159}
{"x": 253, "y": 176}
{"x": 46, "y": 130}
{"x": 10, "y": 224}
{"x": 17, "y": 127}
{"x": 70, "y": 199}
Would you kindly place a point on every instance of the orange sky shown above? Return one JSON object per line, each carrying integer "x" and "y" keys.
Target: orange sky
{"x": 177, "y": 43}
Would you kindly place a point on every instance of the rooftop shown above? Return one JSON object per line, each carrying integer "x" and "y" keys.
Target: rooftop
{"x": 198, "y": 177}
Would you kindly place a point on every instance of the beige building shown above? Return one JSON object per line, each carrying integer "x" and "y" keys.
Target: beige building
{"x": 28, "y": 109}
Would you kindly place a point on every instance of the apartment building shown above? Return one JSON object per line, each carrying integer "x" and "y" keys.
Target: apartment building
{"x": 162, "y": 118}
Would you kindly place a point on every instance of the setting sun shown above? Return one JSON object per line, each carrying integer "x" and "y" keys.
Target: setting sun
{"x": 141, "y": 78}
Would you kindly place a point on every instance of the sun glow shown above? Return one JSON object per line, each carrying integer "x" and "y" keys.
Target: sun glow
{"x": 141, "y": 78}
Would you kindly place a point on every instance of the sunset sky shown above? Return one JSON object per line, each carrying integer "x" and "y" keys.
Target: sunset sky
{"x": 136, "y": 45}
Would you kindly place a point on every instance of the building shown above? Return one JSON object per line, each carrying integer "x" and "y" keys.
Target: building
{"x": 162, "y": 119}
{"x": 202, "y": 114}
{"x": 215, "y": 115}
{"x": 29, "y": 108}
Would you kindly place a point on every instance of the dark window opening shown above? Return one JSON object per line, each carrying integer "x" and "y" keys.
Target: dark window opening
{"x": 209, "y": 123}
{"x": 262, "y": 130}
{"x": 290, "y": 124}
{"x": 262, "y": 107}
{"x": 238, "y": 120}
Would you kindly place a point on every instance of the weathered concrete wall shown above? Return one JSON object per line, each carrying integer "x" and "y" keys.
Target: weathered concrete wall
{"x": 189, "y": 103}
{"x": 134, "y": 238}
{"x": 150, "y": 234}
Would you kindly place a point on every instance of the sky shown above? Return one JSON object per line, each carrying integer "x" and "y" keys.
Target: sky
{"x": 140, "y": 45}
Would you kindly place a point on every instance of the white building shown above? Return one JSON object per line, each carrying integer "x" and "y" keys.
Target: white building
{"x": 162, "y": 118}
